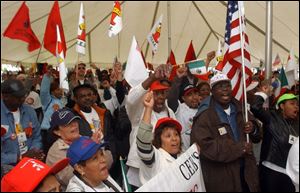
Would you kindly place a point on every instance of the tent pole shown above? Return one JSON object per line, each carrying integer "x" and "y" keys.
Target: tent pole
{"x": 39, "y": 52}
{"x": 119, "y": 40}
{"x": 169, "y": 27}
{"x": 268, "y": 40}
{"x": 90, "y": 51}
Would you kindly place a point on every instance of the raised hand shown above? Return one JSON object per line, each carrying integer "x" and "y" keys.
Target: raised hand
{"x": 210, "y": 56}
{"x": 181, "y": 72}
{"x": 248, "y": 128}
{"x": 149, "y": 100}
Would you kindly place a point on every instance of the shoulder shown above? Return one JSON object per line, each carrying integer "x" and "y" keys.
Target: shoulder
{"x": 204, "y": 106}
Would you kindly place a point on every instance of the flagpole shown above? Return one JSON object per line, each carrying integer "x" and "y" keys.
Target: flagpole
{"x": 169, "y": 26}
{"x": 119, "y": 46}
{"x": 243, "y": 65}
{"x": 39, "y": 52}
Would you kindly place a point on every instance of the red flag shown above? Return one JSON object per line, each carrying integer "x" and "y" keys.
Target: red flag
{"x": 232, "y": 61}
{"x": 190, "y": 54}
{"x": 172, "y": 61}
{"x": 50, "y": 38}
{"x": 20, "y": 28}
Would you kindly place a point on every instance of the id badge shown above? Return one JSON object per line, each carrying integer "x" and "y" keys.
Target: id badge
{"x": 22, "y": 142}
{"x": 292, "y": 139}
{"x": 222, "y": 131}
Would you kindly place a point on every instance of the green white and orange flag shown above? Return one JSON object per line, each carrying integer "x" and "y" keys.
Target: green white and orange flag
{"x": 116, "y": 20}
{"x": 81, "y": 43}
{"x": 197, "y": 67}
{"x": 154, "y": 35}
{"x": 63, "y": 81}
{"x": 127, "y": 186}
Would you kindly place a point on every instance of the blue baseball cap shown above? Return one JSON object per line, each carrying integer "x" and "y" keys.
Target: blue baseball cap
{"x": 82, "y": 149}
{"x": 62, "y": 117}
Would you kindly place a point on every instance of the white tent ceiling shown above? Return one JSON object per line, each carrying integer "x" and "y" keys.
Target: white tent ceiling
{"x": 186, "y": 24}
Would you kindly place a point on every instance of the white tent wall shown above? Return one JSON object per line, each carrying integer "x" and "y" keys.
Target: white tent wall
{"x": 186, "y": 25}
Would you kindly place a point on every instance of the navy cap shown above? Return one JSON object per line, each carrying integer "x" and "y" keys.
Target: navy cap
{"x": 62, "y": 117}
{"x": 82, "y": 149}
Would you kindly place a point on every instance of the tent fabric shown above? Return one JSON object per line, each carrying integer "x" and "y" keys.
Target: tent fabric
{"x": 186, "y": 24}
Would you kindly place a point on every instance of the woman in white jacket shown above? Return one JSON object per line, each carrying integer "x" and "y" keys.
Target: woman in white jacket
{"x": 90, "y": 168}
{"x": 156, "y": 151}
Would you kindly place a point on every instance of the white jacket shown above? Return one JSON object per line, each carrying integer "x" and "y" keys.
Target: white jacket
{"x": 135, "y": 111}
{"x": 76, "y": 185}
{"x": 162, "y": 160}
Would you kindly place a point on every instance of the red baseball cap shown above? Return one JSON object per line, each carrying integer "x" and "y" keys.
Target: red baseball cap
{"x": 168, "y": 120}
{"x": 28, "y": 174}
{"x": 156, "y": 85}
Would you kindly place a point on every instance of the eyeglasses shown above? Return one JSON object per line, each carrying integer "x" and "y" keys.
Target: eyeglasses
{"x": 81, "y": 68}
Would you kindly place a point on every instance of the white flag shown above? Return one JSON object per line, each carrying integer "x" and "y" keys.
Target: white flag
{"x": 291, "y": 69}
{"x": 135, "y": 71}
{"x": 116, "y": 20}
{"x": 154, "y": 35}
{"x": 81, "y": 43}
{"x": 63, "y": 82}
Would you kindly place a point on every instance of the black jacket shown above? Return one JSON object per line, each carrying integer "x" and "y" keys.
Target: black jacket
{"x": 276, "y": 132}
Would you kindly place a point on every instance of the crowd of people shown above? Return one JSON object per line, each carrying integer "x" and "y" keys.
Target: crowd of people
{"x": 58, "y": 140}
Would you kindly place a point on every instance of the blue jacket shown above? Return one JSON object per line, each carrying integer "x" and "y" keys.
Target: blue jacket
{"x": 49, "y": 102}
{"x": 10, "y": 148}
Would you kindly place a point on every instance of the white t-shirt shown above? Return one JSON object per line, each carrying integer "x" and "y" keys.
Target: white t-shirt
{"x": 185, "y": 115}
{"x": 21, "y": 136}
{"x": 93, "y": 119}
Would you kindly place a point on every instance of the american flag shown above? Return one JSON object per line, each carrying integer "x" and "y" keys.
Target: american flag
{"x": 232, "y": 61}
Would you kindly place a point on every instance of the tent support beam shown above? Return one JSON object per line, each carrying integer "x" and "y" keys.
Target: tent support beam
{"x": 205, "y": 42}
{"x": 202, "y": 15}
{"x": 153, "y": 20}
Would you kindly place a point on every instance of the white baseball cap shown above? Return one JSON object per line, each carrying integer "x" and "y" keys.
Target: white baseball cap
{"x": 218, "y": 78}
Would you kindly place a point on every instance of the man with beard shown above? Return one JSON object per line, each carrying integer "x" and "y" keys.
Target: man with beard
{"x": 135, "y": 109}
{"x": 227, "y": 160}
{"x": 184, "y": 111}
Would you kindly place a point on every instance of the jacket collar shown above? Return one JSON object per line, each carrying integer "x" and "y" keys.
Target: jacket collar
{"x": 7, "y": 111}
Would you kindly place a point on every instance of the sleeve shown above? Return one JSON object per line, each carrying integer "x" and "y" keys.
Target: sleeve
{"x": 144, "y": 144}
{"x": 173, "y": 95}
{"x": 120, "y": 92}
{"x": 45, "y": 91}
{"x": 134, "y": 103}
{"x": 36, "y": 135}
{"x": 8, "y": 158}
{"x": 258, "y": 110}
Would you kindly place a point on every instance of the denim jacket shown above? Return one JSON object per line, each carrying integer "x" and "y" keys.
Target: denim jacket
{"x": 10, "y": 147}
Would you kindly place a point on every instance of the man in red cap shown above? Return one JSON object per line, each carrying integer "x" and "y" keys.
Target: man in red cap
{"x": 135, "y": 110}
{"x": 186, "y": 110}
